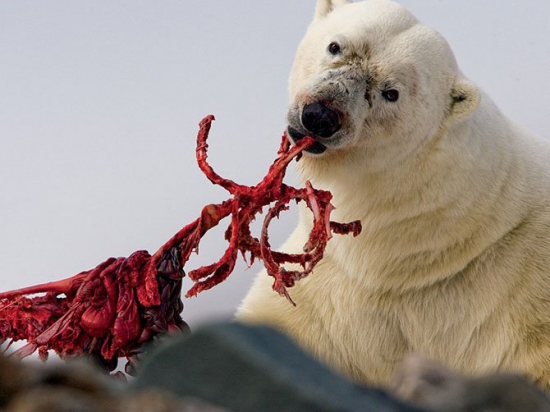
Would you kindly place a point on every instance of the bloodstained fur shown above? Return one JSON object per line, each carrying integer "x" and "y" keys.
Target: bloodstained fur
{"x": 112, "y": 310}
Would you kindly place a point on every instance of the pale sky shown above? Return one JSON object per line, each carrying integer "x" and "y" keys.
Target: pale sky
{"x": 100, "y": 100}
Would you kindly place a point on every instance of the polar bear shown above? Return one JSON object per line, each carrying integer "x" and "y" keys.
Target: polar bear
{"x": 454, "y": 258}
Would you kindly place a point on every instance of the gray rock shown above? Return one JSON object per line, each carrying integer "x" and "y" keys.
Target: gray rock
{"x": 431, "y": 385}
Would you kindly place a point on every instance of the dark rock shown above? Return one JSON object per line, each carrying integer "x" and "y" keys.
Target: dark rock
{"x": 254, "y": 368}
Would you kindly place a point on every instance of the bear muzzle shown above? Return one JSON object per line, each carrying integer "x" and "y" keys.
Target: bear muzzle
{"x": 318, "y": 121}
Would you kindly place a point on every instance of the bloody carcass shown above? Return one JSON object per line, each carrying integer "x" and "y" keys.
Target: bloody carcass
{"x": 112, "y": 310}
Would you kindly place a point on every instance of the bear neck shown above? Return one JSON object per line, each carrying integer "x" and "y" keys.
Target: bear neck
{"x": 451, "y": 194}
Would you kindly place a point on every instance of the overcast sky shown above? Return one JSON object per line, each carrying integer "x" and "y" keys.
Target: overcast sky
{"x": 100, "y": 100}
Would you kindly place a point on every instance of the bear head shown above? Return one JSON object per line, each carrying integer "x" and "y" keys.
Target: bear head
{"x": 371, "y": 84}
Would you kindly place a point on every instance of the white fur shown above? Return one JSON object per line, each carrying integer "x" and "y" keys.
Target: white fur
{"x": 454, "y": 258}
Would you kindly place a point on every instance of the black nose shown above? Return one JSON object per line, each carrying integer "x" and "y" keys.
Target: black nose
{"x": 320, "y": 120}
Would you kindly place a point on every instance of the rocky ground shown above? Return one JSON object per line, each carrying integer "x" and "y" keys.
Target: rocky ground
{"x": 231, "y": 367}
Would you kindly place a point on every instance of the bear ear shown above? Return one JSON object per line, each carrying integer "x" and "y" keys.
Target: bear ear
{"x": 324, "y": 7}
{"x": 465, "y": 98}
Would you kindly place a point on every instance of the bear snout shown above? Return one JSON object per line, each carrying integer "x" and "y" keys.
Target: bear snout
{"x": 320, "y": 120}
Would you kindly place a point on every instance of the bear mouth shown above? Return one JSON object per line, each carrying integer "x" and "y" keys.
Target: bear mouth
{"x": 316, "y": 148}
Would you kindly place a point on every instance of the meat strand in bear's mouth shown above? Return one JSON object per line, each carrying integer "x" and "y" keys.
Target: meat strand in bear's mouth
{"x": 315, "y": 148}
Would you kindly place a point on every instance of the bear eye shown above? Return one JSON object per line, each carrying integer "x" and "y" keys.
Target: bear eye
{"x": 391, "y": 95}
{"x": 334, "y": 48}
